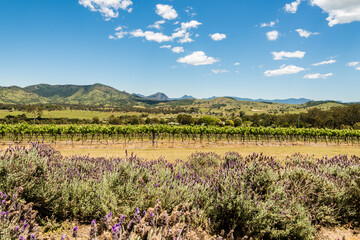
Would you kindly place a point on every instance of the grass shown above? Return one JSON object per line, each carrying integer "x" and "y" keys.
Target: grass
{"x": 71, "y": 114}
{"x": 205, "y": 106}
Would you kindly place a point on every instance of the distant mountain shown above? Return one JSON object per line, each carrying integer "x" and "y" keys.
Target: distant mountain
{"x": 185, "y": 97}
{"x": 158, "y": 97}
{"x": 297, "y": 101}
{"x": 209, "y": 98}
{"x": 139, "y": 95}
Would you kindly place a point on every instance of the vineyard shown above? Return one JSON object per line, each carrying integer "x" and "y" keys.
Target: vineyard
{"x": 154, "y": 133}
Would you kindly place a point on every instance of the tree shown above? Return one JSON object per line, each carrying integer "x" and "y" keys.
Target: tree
{"x": 36, "y": 110}
{"x": 237, "y": 122}
{"x": 185, "y": 119}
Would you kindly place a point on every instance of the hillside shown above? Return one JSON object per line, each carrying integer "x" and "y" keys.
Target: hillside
{"x": 17, "y": 95}
{"x": 96, "y": 94}
{"x": 102, "y": 95}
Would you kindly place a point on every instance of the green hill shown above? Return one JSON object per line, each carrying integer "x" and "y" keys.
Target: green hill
{"x": 97, "y": 94}
{"x": 105, "y": 96}
{"x": 17, "y": 95}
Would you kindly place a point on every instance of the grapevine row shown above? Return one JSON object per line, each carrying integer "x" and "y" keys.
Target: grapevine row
{"x": 23, "y": 131}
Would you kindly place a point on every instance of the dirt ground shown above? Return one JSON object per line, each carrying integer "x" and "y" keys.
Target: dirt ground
{"x": 182, "y": 150}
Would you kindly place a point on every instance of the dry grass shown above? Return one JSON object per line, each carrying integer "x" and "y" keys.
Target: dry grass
{"x": 181, "y": 150}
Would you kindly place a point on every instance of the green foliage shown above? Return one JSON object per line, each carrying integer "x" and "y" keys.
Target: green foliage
{"x": 185, "y": 119}
{"x": 204, "y": 162}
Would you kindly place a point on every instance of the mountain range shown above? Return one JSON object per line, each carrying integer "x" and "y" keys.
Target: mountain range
{"x": 99, "y": 95}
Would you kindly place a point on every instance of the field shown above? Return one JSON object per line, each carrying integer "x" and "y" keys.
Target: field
{"x": 223, "y": 106}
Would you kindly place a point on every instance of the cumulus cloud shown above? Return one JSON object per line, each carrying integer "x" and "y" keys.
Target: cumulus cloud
{"x": 340, "y": 11}
{"x": 183, "y": 31}
{"x": 191, "y": 24}
{"x": 325, "y": 62}
{"x": 358, "y": 68}
{"x": 305, "y": 34}
{"x": 237, "y": 64}
{"x": 292, "y": 7}
{"x": 157, "y": 24}
{"x": 270, "y": 24}
{"x": 218, "y": 36}
{"x": 284, "y": 70}
{"x": 217, "y": 71}
{"x": 177, "y": 49}
{"x": 151, "y": 36}
{"x": 272, "y": 35}
{"x": 318, "y": 76}
{"x": 285, "y": 55}
{"x": 197, "y": 58}
{"x": 166, "y": 11}
{"x": 108, "y": 8}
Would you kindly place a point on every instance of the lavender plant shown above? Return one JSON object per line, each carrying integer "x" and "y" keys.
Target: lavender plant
{"x": 236, "y": 196}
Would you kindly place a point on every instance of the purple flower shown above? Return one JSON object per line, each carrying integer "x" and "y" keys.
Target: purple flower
{"x": 75, "y": 232}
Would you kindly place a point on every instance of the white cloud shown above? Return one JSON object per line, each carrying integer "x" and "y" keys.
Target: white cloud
{"x": 318, "y": 76}
{"x": 237, "y": 64}
{"x": 356, "y": 65}
{"x": 177, "y": 49}
{"x": 340, "y": 11}
{"x": 292, "y": 7}
{"x": 191, "y": 24}
{"x": 270, "y": 24}
{"x": 120, "y": 33}
{"x": 166, "y": 46}
{"x": 151, "y": 36}
{"x": 186, "y": 39}
{"x": 305, "y": 34}
{"x": 166, "y": 11}
{"x": 284, "y": 70}
{"x": 218, "y": 36}
{"x": 190, "y": 11}
{"x": 284, "y": 55}
{"x": 273, "y": 35}
{"x": 353, "y": 64}
{"x": 182, "y": 31}
{"x": 197, "y": 58}
{"x": 157, "y": 24}
{"x": 325, "y": 62}
{"x": 108, "y": 8}
{"x": 217, "y": 71}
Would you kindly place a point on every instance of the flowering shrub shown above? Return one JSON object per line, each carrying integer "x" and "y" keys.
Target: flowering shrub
{"x": 253, "y": 196}
{"x": 17, "y": 219}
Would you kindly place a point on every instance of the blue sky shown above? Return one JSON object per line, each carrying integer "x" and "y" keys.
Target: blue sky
{"x": 244, "y": 48}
